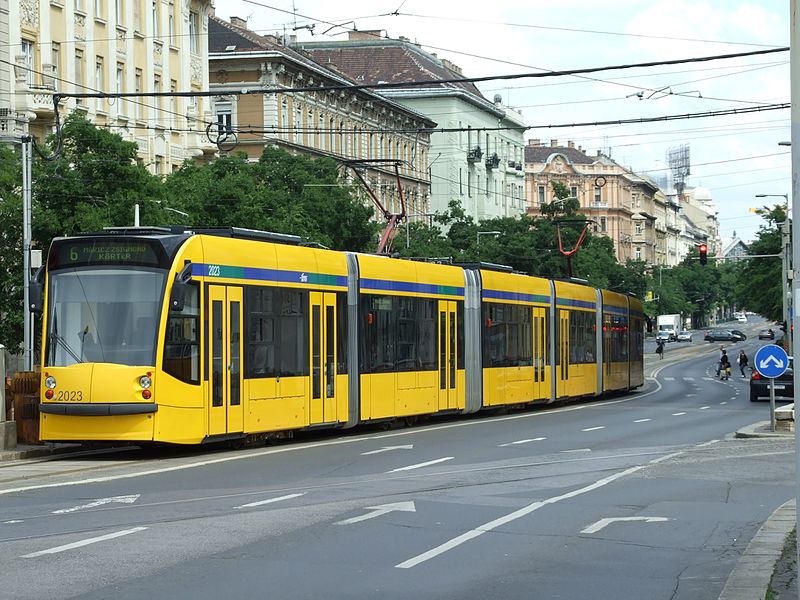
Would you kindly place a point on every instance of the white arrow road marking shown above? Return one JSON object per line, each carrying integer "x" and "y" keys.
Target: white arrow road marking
{"x": 539, "y": 439}
{"x": 270, "y": 501}
{"x": 99, "y": 502}
{"x": 377, "y": 511}
{"x": 420, "y": 465}
{"x": 388, "y": 448}
{"x": 102, "y": 538}
{"x": 595, "y": 527}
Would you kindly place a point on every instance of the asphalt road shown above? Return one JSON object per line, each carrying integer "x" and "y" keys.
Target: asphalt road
{"x": 643, "y": 496}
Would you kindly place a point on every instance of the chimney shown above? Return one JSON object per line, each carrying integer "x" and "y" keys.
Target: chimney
{"x": 580, "y": 148}
{"x": 239, "y": 22}
{"x": 570, "y": 144}
{"x": 553, "y": 143}
{"x": 366, "y": 35}
{"x": 534, "y": 142}
{"x": 452, "y": 67}
{"x": 599, "y": 153}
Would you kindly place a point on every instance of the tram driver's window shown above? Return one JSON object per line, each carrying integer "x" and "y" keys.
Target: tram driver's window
{"x": 182, "y": 343}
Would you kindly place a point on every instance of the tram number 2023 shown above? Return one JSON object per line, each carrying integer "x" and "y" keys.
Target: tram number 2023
{"x": 213, "y": 270}
{"x": 68, "y": 396}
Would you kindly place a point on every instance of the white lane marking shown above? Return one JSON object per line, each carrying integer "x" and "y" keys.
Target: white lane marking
{"x": 378, "y": 511}
{"x": 388, "y": 448}
{"x": 577, "y": 450}
{"x": 669, "y": 379}
{"x": 691, "y": 395}
{"x": 595, "y": 527}
{"x": 594, "y": 428}
{"x": 102, "y": 538}
{"x": 678, "y": 414}
{"x": 539, "y": 439}
{"x": 517, "y": 514}
{"x": 12, "y": 521}
{"x": 688, "y": 378}
{"x": 642, "y": 420}
{"x": 270, "y": 501}
{"x": 424, "y": 464}
{"x": 708, "y": 443}
{"x": 724, "y": 402}
{"x": 99, "y": 502}
{"x": 704, "y": 407}
{"x": 708, "y": 379}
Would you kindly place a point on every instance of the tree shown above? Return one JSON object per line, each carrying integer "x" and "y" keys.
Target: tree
{"x": 759, "y": 283}
{"x": 11, "y": 283}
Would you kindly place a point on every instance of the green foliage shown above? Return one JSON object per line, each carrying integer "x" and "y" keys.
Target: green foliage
{"x": 759, "y": 285}
{"x": 11, "y": 291}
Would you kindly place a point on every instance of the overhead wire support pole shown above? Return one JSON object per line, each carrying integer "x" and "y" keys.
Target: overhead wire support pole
{"x": 27, "y": 342}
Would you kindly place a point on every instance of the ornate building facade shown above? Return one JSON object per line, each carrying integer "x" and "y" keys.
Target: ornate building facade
{"x": 57, "y": 47}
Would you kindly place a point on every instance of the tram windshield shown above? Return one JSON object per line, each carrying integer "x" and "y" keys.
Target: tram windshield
{"x": 105, "y": 315}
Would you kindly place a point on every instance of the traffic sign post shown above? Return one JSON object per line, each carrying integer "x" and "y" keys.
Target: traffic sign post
{"x": 771, "y": 361}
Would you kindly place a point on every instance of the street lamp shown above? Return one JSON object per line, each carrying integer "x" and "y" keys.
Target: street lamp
{"x": 786, "y": 271}
{"x": 492, "y": 233}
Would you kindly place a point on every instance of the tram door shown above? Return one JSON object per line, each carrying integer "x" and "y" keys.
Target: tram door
{"x": 448, "y": 396}
{"x": 562, "y": 371}
{"x": 226, "y": 414}
{"x": 323, "y": 357}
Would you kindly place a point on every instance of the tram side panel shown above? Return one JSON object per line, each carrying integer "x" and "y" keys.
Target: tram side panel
{"x": 411, "y": 338}
{"x": 514, "y": 339}
{"x": 616, "y": 342}
{"x": 575, "y": 340}
{"x": 636, "y": 340}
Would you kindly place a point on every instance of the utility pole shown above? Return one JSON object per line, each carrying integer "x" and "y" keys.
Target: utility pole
{"x": 786, "y": 277}
{"x": 27, "y": 342}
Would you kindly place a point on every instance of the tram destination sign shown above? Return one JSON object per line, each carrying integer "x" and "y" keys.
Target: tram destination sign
{"x": 77, "y": 252}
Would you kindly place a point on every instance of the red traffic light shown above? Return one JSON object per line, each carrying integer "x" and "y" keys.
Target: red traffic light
{"x": 703, "y": 250}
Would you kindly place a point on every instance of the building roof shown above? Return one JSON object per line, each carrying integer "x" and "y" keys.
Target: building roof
{"x": 542, "y": 154}
{"x": 379, "y": 60}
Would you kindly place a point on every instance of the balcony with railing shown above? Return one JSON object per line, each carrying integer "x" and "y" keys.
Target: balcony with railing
{"x": 492, "y": 161}
{"x": 474, "y": 154}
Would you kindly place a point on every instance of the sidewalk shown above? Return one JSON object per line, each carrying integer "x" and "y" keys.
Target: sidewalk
{"x": 28, "y": 451}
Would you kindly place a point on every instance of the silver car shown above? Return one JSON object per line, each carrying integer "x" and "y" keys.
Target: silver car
{"x": 685, "y": 336}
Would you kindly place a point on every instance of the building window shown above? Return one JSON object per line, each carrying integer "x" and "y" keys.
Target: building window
{"x": 157, "y": 99}
{"x": 573, "y": 191}
{"x": 138, "y": 89}
{"x": 120, "y": 4}
{"x": 27, "y": 53}
{"x": 194, "y": 27}
{"x": 224, "y": 112}
{"x": 99, "y": 80}
{"x": 79, "y": 7}
{"x": 638, "y": 253}
{"x": 171, "y": 24}
{"x": 638, "y": 228}
{"x": 603, "y": 225}
{"x": 173, "y": 102}
{"x": 137, "y": 15}
{"x": 598, "y": 195}
{"x": 98, "y": 9}
{"x": 541, "y": 194}
{"x": 119, "y": 86}
{"x": 55, "y": 52}
{"x": 284, "y": 125}
{"x": 79, "y": 74}
{"x": 156, "y": 28}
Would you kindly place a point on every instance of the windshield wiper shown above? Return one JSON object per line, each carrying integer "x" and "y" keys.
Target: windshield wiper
{"x": 65, "y": 345}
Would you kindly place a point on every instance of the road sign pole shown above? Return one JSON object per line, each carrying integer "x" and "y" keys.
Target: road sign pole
{"x": 772, "y": 405}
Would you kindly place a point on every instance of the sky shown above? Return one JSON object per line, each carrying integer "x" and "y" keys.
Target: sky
{"x": 735, "y": 157}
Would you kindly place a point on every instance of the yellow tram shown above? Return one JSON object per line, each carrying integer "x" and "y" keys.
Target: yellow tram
{"x": 190, "y": 336}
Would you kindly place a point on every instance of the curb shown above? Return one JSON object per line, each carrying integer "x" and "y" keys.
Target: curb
{"x": 38, "y": 452}
{"x": 751, "y": 576}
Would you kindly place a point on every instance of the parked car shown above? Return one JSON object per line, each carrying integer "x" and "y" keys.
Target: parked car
{"x": 663, "y": 336}
{"x": 723, "y": 335}
{"x": 685, "y": 336}
{"x": 784, "y": 385}
{"x": 766, "y": 334}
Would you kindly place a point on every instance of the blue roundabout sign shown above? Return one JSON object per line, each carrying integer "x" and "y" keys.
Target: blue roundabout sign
{"x": 771, "y": 361}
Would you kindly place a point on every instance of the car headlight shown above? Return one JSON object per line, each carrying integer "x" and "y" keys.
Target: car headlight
{"x": 50, "y": 382}
{"x": 145, "y": 381}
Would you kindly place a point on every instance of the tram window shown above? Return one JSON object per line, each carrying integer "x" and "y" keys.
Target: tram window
{"x": 507, "y": 335}
{"x": 341, "y": 338}
{"x": 262, "y": 320}
{"x": 582, "y": 340}
{"x": 294, "y": 333}
{"x": 426, "y": 334}
{"x": 460, "y": 334}
{"x": 379, "y": 335}
{"x": 406, "y": 345}
{"x": 182, "y": 339}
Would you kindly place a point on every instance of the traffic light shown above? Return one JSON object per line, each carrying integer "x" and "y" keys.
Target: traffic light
{"x": 703, "y": 250}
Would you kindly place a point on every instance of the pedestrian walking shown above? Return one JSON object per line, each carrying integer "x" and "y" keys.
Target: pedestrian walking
{"x": 660, "y": 349}
{"x": 743, "y": 362}
{"x": 724, "y": 366}
{"x": 719, "y": 361}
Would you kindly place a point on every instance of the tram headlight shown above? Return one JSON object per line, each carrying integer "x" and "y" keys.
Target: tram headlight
{"x": 50, "y": 382}
{"x": 145, "y": 381}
